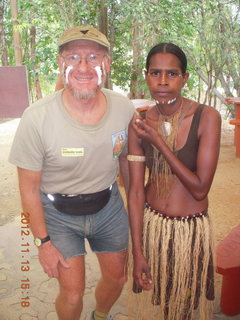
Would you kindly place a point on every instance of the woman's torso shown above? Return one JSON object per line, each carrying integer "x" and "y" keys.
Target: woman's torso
{"x": 179, "y": 201}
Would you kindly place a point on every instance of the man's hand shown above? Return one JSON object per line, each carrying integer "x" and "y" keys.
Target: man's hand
{"x": 50, "y": 258}
{"x": 232, "y": 100}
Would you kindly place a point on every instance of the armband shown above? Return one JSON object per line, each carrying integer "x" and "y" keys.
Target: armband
{"x": 132, "y": 157}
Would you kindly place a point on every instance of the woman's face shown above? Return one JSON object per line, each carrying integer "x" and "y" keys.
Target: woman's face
{"x": 165, "y": 78}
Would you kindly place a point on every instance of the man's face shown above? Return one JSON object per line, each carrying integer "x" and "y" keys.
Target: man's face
{"x": 84, "y": 65}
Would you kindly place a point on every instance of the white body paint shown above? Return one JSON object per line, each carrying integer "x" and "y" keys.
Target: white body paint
{"x": 99, "y": 74}
{"x": 168, "y": 102}
{"x": 171, "y": 101}
{"x": 69, "y": 68}
{"x": 98, "y": 70}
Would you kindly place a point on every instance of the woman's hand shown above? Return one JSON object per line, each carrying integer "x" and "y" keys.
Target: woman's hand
{"x": 141, "y": 273}
{"x": 144, "y": 130}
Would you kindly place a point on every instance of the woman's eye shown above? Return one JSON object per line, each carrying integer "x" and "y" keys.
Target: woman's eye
{"x": 173, "y": 74}
{"x": 155, "y": 73}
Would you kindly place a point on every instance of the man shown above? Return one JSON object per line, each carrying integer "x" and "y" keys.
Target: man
{"x": 67, "y": 148}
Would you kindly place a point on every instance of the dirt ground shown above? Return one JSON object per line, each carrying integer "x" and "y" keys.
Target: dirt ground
{"x": 224, "y": 195}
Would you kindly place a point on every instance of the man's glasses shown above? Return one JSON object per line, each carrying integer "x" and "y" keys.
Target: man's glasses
{"x": 92, "y": 59}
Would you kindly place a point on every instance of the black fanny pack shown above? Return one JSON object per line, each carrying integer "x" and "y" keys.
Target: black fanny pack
{"x": 81, "y": 204}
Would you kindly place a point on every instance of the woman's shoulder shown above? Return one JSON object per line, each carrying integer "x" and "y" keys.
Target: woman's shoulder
{"x": 205, "y": 110}
{"x": 210, "y": 118}
{"x": 209, "y": 111}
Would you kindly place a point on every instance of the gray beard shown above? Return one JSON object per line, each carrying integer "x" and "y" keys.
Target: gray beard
{"x": 83, "y": 95}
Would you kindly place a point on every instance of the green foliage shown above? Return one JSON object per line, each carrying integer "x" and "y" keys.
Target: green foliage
{"x": 207, "y": 30}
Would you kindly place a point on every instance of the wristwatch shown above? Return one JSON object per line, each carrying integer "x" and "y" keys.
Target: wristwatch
{"x": 38, "y": 242}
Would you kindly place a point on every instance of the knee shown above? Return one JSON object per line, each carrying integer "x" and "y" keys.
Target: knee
{"x": 72, "y": 297}
{"x": 119, "y": 280}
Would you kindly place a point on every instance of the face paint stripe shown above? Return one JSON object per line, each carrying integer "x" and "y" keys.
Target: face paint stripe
{"x": 69, "y": 68}
{"x": 99, "y": 74}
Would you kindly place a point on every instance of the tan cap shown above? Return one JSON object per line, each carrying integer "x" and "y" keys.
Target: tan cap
{"x": 83, "y": 33}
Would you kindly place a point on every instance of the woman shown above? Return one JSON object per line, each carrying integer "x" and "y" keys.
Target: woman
{"x": 178, "y": 140}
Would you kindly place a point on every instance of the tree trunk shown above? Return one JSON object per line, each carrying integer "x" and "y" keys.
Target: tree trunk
{"x": 33, "y": 60}
{"x": 136, "y": 92}
{"x": 38, "y": 88}
{"x": 3, "y": 46}
{"x": 16, "y": 34}
{"x": 103, "y": 18}
{"x": 111, "y": 38}
{"x": 103, "y": 27}
{"x": 216, "y": 92}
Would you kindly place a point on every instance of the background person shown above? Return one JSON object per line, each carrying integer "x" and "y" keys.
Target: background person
{"x": 178, "y": 140}
{"x": 67, "y": 166}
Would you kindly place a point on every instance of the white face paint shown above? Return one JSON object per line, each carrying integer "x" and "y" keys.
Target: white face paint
{"x": 171, "y": 101}
{"x": 69, "y": 68}
{"x": 99, "y": 74}
{"x": 98, "y": 70}
{"x": 103, "y": 68}
{"x": 163, "y": 101}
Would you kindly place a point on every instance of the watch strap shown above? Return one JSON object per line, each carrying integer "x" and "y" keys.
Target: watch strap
{"x": 46, "y": 239}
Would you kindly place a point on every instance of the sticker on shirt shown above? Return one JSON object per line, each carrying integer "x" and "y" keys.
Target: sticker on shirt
{"x": 118, "y": 141}
{"x": 72, "y": 152}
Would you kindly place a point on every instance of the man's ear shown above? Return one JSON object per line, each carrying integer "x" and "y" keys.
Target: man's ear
{"x": 60, "y": 64}
{"x": 107, "y": 63}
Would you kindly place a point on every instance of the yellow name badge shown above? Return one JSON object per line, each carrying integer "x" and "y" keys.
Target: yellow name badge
{"x": 72, "y": 152}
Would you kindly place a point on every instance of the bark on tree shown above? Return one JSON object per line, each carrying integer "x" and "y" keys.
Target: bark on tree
{"x": 136, "y": 92}
{"x": 33, "y": 60}
{"x": 103, "y": 18}
{"x": 216, "y": 92}
{"x": 3, "y": 46}
{"x": 103, "y": 27}
{"x": 16, "y": 33}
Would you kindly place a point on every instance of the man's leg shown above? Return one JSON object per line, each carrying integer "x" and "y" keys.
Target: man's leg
{"x": 114, "y": 275}
{"x": 72, "y": 285}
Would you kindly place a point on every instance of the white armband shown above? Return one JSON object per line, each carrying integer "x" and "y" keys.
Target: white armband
{"x": 133, "y": 157}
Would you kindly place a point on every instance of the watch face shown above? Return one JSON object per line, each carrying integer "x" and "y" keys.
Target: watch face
{"x": 37, "y": 242}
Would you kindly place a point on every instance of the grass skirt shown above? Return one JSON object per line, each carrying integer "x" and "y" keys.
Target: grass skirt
{"x": 180, "y": 254}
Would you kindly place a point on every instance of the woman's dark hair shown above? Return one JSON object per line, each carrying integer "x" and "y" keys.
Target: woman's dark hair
{"x": 165, "y": 47}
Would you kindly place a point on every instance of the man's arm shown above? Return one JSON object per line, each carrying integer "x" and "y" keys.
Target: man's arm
{"x": 124, "y": 171}
{"x": 29, "y": 185}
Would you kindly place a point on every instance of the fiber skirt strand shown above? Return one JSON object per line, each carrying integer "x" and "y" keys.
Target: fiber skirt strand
{"x": 180, "y": 255}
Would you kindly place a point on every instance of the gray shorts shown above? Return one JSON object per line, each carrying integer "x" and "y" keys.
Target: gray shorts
{"x": 106, "y": 231}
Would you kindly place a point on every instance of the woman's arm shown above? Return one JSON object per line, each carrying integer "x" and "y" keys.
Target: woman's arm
{"x": 197, "y": 183}
{"x": 136, "y": 202}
